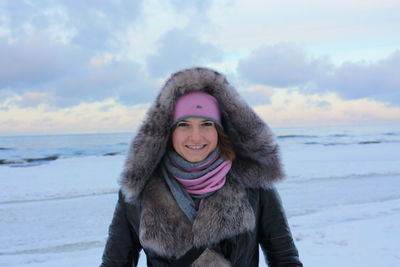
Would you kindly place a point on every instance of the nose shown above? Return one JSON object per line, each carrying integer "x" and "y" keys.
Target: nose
{"x": 195, "y": 135}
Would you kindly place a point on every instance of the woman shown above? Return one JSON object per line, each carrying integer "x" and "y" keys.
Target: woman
{"x": 197, "y": 188}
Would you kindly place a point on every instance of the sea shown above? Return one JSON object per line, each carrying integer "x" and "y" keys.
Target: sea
{"x": 28, "y": 151}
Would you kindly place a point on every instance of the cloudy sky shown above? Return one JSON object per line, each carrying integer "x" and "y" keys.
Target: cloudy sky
{"x": 84, "y": 66}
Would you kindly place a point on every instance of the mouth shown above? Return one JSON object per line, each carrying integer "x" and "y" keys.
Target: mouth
{"x": 195, "y": 147}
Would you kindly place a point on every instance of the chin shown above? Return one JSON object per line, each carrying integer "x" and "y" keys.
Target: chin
{"x": 194, "y": 160}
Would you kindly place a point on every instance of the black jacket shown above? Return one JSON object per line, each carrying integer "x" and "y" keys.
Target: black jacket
{"x": 230, "y": 223}
{"x": 271, "y": 232}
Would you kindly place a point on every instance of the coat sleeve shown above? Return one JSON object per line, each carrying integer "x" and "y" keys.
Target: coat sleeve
{"x": 274, "y": 234}
{"x": 123, "y": 246}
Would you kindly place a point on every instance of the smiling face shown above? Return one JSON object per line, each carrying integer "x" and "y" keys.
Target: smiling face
{"x": 194, "y": 139}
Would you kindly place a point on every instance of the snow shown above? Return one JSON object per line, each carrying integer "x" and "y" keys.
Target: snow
{"x": 342, "y": 202}
{"x": 353, "y": 235}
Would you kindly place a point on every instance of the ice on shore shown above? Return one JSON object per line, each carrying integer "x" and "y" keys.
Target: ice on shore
{"x": 343, "y": 206}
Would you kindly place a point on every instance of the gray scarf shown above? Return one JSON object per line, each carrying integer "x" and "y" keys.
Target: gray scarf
{"x": 174, "y": 166}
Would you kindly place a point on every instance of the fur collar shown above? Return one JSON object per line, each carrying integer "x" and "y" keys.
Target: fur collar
{"x": 257, "y": 161}
{"x": 165, "y": 230}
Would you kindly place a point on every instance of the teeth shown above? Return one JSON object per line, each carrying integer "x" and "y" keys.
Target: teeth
{"x": 196, "y": 147}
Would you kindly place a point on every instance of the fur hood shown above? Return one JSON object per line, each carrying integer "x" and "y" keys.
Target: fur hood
{"x": 257, "y": 163}
{"x": 163, "y": 229}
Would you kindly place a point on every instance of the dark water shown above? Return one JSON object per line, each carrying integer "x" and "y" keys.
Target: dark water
{"x": 24, "y": 151}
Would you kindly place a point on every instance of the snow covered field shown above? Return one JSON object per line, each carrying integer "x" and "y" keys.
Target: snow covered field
{"x": 342, "y": 202}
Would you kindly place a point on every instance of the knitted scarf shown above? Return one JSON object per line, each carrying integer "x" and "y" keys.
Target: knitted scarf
{"x": 188, "y": 181}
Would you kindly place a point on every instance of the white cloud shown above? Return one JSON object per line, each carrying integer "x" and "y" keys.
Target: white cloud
{"x": 158, "y": 19}
{"x": 56, "y": 55}
{"x": 263, "y": 90}
{"x": 179, "y": 49}
{"x": 292, "y": 108}
{"x": 103, "y": 116}
{"x": 102, "y": 60}
{"x": 338, "y": 28}
{"x": 282, "y": 65}
{"x": 287, "y": 65}
{"x": 379, "y": 80}
{"x": 280, "y": 108}
{"x": 70, "y": 74}
{"x": 31, "y": 61}
{"x": 80, "y": 22}
{"x": 198, "y": 5}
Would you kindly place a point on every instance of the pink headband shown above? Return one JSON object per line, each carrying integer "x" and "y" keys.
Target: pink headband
{"x": 199, "y": 105}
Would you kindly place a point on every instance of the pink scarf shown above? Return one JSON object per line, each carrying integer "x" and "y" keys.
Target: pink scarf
{"x": 210, "y": 182}
{"x": 201, "y": 178}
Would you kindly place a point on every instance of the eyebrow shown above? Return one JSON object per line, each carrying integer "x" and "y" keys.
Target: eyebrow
{"x": 201, "y": 121}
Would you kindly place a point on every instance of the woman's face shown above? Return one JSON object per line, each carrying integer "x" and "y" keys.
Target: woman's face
{"x": 194, "y": 139}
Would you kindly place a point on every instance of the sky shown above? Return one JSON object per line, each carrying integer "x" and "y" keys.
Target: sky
{"x": 84, "y": 66}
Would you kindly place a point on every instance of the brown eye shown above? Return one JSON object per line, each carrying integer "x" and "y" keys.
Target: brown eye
{"x": 208, "y": 124}
{"x": 182, "y": 124}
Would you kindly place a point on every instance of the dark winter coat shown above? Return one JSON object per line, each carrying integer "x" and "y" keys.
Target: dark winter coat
{"x": 232, "y": 222}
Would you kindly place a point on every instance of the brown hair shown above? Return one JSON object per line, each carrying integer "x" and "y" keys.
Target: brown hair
{"x": 224, "y": 143}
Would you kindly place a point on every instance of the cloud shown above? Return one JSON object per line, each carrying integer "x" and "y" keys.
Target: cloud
{"x": 282, "y": 65}
{"x": 63, "y": 74}
{"x": 122, "y": 80}
{"x": 60, "y": 53}
{"x": 290, "y": 66}
{"x": 70, "y": 55}
{"x": 257, "y": 94}
{"x": 97, "y": 22}
{"x": 179, "y": 49}
{"x": 290, "y": 108}
{"x": 378, "y": 80}
{"x": 102, "y": 116}
{"x": 32, "y": 61}
{"x": 200, "y": 5}
{"x": 286, "y": 108}
{"x": 81, "y": 22}
{"x": 65, "y": 53}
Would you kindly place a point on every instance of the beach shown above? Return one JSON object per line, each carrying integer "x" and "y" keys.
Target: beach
{"x": 340, "y": 194}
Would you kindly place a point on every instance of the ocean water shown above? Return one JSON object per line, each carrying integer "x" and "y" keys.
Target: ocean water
{"x": 27, "y": 151}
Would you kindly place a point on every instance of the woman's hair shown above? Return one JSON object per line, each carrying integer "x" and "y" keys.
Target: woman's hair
{"x": 224, "y": 143}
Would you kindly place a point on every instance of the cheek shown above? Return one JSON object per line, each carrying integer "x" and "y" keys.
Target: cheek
{"x": 177, "y": 139}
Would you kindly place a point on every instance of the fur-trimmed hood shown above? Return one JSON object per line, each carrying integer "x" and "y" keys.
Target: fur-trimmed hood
{"x": 257, "y": 162}
{"x": 227, "y": 214}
